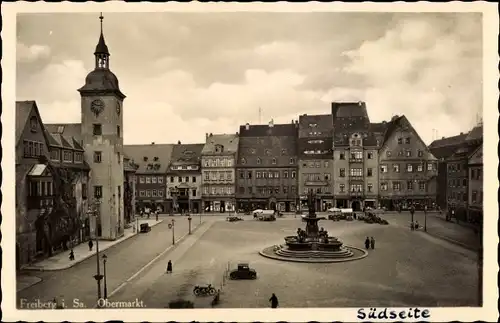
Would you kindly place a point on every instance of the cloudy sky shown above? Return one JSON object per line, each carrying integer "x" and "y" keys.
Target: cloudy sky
{"x": 186, "y": 74}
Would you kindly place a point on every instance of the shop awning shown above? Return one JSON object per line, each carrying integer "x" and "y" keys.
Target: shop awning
{"x": 39, "y": 170}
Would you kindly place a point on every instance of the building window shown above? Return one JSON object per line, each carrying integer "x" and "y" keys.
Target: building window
{"x": 388, "y": 153}
{"x": 327, "y": 177}
{"x": 97, "y": 192}
{"x": 148, "y": 193}
{"x": 54, "y": 155}
{"x": 474, "y": 197}
{"x": 160, "y": 180}
{"x": 160, "y": 193}
{"x": 230, "y": 176}
{"x": 33, "y": 149}
{"x": 420, "y": 168}
{"x": 142, "y": 193}
{"x": 67, "y": 156}
{"x": 342, "y": 156}
{"x": 420, "y": 153}
{"x": 292, "y": 161}
{"x": 383, "y": 186}
{"x": 193, "y": 192}
{"x": 369, "y": 155}
{"x": 464, "y": 182}
{"x": 171, "y": 179}
{"x": 294, "y": 174}
{"x": 383, "y": 168}
{"x": 400, "y": 153}
{"x": 153, "y": 180}
{"x": 326, "y": 164}
{"x": 141, "y": 180}
{"x": 421, "y": 186}
{"x": 148, "y": 180}
{"x": 285, "y": 174}
{"x": 400, "y": 141}
{"x": 33, "y": 124}
{"x": 243, "y": 161}
{"x": 396, "y": 186}
{"x": 97, "y": 129}
{"x": 407, "y": 140}
{"x": 409, "y": 168}
{"x": 409, "y": 185}
{"x": 356, "y": 172}
{"x": 274, "y": 161}
{"x": 187, "y": 179}
{"x": 342, "y": 172}
{"x": 342, "y": 188}
{"x": 429, "y": 167}
{"x": 97, "y": 157}
{"x": 179, "y": 179}
{"x": 369, "y": 172}
{"x": 258, "y": 161}
{"x": 154, "y": 193}
{"x": 395, "y": 168}
{"x": 193, "y": 179}
{"x": 285, "y": 190}
{"x": 408, "y": 153}
{"x": 370, "y": 187}
{"x": 241, "y": 190}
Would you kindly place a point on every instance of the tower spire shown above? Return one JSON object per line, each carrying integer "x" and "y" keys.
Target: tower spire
{"x": 101, "y": 51}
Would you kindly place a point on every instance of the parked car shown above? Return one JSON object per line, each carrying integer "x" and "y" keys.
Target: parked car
{"x": 257, "y": 212}
{"x": 243, "y": 272}
{"x": 267, "y": 215}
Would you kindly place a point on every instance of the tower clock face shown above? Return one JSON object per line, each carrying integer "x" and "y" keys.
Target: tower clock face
{"x": 97, "y": 106}
{"x": 118, "y": 108}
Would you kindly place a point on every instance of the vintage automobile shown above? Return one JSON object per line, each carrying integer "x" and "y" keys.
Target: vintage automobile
{"x": 267, "y": 215}
{"x": 145, "y": 228}
{"x": 233, "y": 218}
{"x": 243, "y": 272}
{"x": 257, "y": 212}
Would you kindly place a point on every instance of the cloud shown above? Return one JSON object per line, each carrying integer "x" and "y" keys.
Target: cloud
{"x": 421, "y": 68}
{"x": 29, "y": 54}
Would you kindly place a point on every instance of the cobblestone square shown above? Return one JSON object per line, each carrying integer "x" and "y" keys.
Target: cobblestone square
{"x": 407, "y": 268}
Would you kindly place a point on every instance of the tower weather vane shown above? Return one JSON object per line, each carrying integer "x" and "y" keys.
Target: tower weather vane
{"x": 101, "y": 18}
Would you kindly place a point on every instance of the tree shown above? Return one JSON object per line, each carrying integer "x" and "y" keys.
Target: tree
{"x": 60, "y": 222}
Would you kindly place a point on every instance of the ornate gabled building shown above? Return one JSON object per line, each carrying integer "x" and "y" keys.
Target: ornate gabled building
{"x": 152, "y": 163}
{"x": 73, "y": 168}
{"x": 184, "y": 179}
{"x": 475, "y": 196}
{"x": 51, "y": 188}
{"x": 218, "y": 161}
{"x": 407, "y": 168}
{"x": 315, "y": 153}
{"x": 267, "y": 167}
{"x": 356, "y": 141}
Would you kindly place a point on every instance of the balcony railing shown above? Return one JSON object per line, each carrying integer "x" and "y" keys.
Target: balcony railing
{"x": 355, "y": 160}
{"x": 316, "y": 183}
{"x": 356, "y": 177}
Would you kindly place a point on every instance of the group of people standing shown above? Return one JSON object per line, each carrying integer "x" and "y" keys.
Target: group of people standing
{"x": 370, "y": 243}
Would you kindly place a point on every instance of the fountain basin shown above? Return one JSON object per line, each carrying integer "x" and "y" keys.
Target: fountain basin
{"x": 283, "y": 253}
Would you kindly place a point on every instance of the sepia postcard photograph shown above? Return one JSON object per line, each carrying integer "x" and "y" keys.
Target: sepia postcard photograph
{"x": 249, "y": 162}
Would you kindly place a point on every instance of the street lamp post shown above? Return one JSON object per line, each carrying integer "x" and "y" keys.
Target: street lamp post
{"x": 98, "y": 277}
{"x": 104, "y": 259}
{"x": 173, "y": 231}
{"x": 189, "y": 219}
{"x": 425, "y": 218}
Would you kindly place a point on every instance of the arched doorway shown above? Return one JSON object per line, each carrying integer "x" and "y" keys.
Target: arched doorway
{"x": 272, "y": 204}
{"x": 356, "y": 205}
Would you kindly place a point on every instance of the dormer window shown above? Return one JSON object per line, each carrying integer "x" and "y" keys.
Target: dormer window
{"x": 274, "y": 161}
{"x": 243, "y": 161}
{"x": 60, "y": 129}
{"x": 219, "y": 148}
{"x": 33, "y": 124}
{"x": 313, "y": 125}
{"x": 258, "y": 161}
{"x": 145, "y": 158}
{"x": 155, "y": 159}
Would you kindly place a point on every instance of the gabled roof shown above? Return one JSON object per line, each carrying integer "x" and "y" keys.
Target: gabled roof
{"x": 445, "y": 147}
{"x": 475, "y": 134}
{"x": 144, "y": 157}
{"x": 228, "y": 141}
{"x": 23, "y": 111}
{"x": 186, "y": 154}
{"x": 268, "y": 130}
{"x": 379, "y": 127}
{"x": 449, "y": 141}
{"x": 311, "y": 123}
{"x": 66, "y": 129}
{"x": 464, "y": 151}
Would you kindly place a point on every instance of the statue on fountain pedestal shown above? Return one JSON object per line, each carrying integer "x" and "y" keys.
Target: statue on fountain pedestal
{"x": 311, "y": 203}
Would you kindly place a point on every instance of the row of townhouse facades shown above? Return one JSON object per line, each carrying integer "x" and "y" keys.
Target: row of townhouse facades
{"x": 344, "y": 158}
{"x": 460, "y": 177}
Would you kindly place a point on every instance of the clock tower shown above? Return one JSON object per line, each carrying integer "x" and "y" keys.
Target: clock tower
{"x": 102, "y": 135}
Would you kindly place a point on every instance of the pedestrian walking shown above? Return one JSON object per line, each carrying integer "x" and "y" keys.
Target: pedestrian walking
{"x": 372, "y": 242}
{"x": 412, "y": 226}
{"x": 417, "y": 225}
{"x": 169, "y": 267}
{"x": 71, "y": 255}
{"x": 367, "y": 243}
{"x": 274, "y": 301}
{"x": 156, "y": 215}
{"x": 91, "y": 244}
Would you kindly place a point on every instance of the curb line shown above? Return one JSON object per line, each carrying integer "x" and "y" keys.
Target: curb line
{"x": 455, "y": 242}
{"x": 38, "y": 282}
{"x": 151, "y": 262}
{"x": 76, "y": 262}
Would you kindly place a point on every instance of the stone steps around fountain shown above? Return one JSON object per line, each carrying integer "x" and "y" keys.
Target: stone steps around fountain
{"x": 343, "y": 253}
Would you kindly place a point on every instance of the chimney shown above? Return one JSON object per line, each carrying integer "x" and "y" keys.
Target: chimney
{"x": 293, "y": 122}
{"x": 178, "y": 142}
{"x": 237, "y": 133}
{"x": 461, "y": 133}
{"x": 206, "y": 135}
{"x": 153, "y": 143}
{"x": 211, "y": 134}
{"x": 296, "y": 122}
{"x": 271, "y": 123}
{"x": 247, "y": 126}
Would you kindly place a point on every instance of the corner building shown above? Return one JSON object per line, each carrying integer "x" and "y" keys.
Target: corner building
{"x": 267, "y": 167}
{"x": 315, "y": 152}
{"x": 218, "y": 160}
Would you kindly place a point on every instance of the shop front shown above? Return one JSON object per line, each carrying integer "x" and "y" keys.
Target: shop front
{"x": 218, "y": 206}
